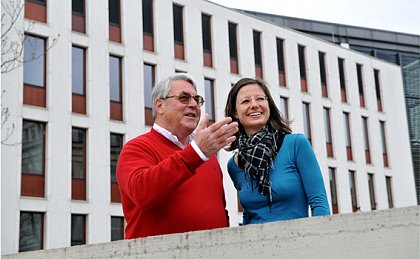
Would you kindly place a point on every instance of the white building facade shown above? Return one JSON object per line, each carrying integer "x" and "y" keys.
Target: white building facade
{"x": 351, "y": 107}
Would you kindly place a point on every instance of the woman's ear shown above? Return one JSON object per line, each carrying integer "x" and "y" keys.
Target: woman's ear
{"x": 235, "y": 115}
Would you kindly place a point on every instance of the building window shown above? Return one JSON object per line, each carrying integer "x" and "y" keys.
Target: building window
{"x": 209, "y": 97}
{"x": 323, "y": 74}
{"x": 284, "y": 107}
{"x": 233, "y": 48}
{"x": 78, "y": 80}
{"x": 257, "y": 54}
{"x": 206, "y": 33}
{"x": 116, "y": 147}
{"x": 114, "y": 11}
{"x": 78, "y": 229}
{"x": 115, "y": 88}
{"x": 149, "y": 81}
{"x": 36, "y": 10}
{"x": 353, "y": 191}
{"x": 33, "y": 159}
{"x": 342, "y": 80}
{"x": 78, "y": 15}
{"x": 389, "y": 191}
{"x": 383, "y": 142}
{"x": 378, "y": 89}
{"x": 280, "y": 62}
{"x": 302, "y": 69}
{"x": 328, "y": 135}
{"x": 372, "y": 191}
{"x": 333, "y": 189}
{"x": 348, "y": 136}
{"x": 307, "y": 121}
{"x": 366, "y": 139}
{"x": 360, "y": 84}
{"x": 117, "y": 228}
{"x": 148, "y": 37}
{"x": 31, "y": 231}
{"x": 34, "y": 92}
{"x": 78, "y": 164}
{"x": 178, "y": 23}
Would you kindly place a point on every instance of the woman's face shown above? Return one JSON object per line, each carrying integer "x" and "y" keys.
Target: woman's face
{"x": 252, "y": 109}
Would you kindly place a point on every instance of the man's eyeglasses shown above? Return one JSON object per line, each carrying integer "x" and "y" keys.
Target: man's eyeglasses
{"x": 185, "y": 98}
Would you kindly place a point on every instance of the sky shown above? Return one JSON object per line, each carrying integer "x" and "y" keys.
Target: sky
{"x": 391, "y": 15}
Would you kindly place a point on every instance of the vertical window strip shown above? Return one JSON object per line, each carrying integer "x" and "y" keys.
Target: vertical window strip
{"x": 209, "y": 97}
{"x": 307, "y": 121}
{"x": 388, "y": 180}
{"x": 353, "y": 190}
{"x": 78, "y": 229}
{"x": 378, "y": 89}
{"x": 366, "y": 139}
{"x": 342, "y": 80}
{"x": 333, "y": 189}
{"x": 372, "y": 191}
{"x": 323, "y": 74}
{"x": 347, "y": 130}
{"x": 31, "y": 231}
{"x": 383, "y": 142}
{"x": 178, "y": 24}
{"x": 360, "y": 84}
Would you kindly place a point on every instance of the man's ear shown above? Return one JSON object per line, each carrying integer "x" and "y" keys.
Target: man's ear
{"x": 159, "y": 104}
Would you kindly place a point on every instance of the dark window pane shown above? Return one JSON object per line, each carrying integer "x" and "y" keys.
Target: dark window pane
{"x": 283, "y": 107}
{"x": 257, "y": 48}
{"x": 114, "y": 79}
{"x": 78, "y": 226}
{"x": 78, "y": 71}
{"x": 39, "y": 1}
{"x": 360, "y": 79}
{"x": 389, "y": 191}
{"x": 302, "y": 68}
{"x": 30, "y": 231}
{"x": 280, "y": 56}
{"x": 117, "y": 228}
{"x": 341, "y": 73}
{"x": 232, "y": 41}
{"x": 206, "y": 31}
{"x": 322, "y": 70}
{"x": 116, "y": 147}
{"x": 372, "y": 192}
{"x": 114, "y": 11}
{"x": 208, "y": 89}
{"x": 78, "y": 153}
{"x": 33, "y": 68}
{"x": 178, "y": 24}
{"x": 147, "y": 9}
{"x": 33, "y": 147}
{"x": 78, "y": 6}
{"x": 327, "y": 125}
{"x": 306, "y": 121}
{"x": 148, "y": 71}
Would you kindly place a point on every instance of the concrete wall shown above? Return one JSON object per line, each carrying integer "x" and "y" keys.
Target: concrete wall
{"x": 379, "y": 234}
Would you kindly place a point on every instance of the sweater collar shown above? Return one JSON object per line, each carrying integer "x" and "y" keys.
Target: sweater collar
{"x": 174, "y": 139}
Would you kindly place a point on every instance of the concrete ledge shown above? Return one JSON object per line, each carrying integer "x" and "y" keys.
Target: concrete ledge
{"x": 391, "y": 233}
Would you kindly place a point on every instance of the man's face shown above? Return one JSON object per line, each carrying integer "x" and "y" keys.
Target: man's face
{"x": 179, "y": 118}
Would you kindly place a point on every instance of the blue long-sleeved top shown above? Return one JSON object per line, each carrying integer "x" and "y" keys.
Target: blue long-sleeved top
{"x": 296, "y": 181}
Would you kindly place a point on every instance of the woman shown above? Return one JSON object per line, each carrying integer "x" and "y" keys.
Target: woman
{"x": 276, "y": 173}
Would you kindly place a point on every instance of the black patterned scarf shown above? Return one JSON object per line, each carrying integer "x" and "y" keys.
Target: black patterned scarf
{"x": 255, "y": 155}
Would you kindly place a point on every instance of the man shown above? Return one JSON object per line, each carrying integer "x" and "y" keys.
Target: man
{"x": 169, "y": 178}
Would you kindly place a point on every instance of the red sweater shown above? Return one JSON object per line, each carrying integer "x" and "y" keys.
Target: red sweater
{"x": 166, "y": 189}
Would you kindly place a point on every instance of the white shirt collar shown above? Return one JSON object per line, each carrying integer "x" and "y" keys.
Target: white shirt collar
{"x": 167, "y": 134}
